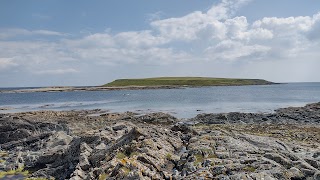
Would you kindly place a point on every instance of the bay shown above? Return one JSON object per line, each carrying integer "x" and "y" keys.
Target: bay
{"x": 183, "y": 103}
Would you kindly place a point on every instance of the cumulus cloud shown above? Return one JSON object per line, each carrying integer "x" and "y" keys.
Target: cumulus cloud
{"x": 187, "y": 28}
{"x": 231, "y": 50}
{"x": 313, "y": 33}
{"x": 226, "y": 8}
{"x": 215, "y": 35}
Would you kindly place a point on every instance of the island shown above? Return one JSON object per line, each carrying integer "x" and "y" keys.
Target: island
{"x": 150, "y": 83}
{"x": 186, "y": 81}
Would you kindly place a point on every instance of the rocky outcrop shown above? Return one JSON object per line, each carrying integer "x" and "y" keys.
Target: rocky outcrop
{"x": 156, "y": 118}
{"x": 310, "y": 114}
{"x": 93, "y": 145}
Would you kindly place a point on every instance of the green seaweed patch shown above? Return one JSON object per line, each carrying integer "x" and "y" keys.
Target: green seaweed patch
{"x": 169, "y": 156}
{"x": 199, "y": 158}
{"x": 3, "y": 154}
{"x": 121, "y": 155}
{"x": 103, "y": 176}
{"x": 212, "y": 156}
{"x": 249, "y": 169}
{"x": 134, "y": 153}
{"x": 18, "y": 171}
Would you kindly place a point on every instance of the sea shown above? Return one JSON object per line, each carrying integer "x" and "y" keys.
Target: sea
{"x": 182, "y": 103}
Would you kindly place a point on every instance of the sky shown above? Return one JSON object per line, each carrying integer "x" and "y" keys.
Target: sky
{"x": 82, "y": 43}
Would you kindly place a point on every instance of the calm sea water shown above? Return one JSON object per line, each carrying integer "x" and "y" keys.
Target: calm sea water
{"x": 179, "y": 102}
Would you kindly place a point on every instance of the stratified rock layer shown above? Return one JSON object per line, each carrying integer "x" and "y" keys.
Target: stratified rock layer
{"x": 98, "y": 145}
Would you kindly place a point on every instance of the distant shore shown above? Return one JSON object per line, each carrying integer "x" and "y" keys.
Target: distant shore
{"x": 89, "y": 88}
{"x": 104, "y": 88}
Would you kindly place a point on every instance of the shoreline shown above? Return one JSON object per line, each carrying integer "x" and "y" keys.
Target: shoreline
{"x": 111, "y": 88}
{"x": 95, "y": 144}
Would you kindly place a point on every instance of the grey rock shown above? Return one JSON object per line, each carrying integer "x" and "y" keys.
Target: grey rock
{"x": 295, "y": 173}
{"x": 119, "y": 127}
{"x": 316, "y": 176}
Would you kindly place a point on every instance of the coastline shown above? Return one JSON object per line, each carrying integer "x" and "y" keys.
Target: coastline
{"x": 111, "y": 88}
{"x": 97, "y": 144}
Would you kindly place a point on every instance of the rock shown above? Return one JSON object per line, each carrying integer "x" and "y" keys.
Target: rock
{"x": 146, "y": 160}
{"x": 207, "y": 163}
{"x": 313, "y": 163}
{"x": 295, "y": 173}
{"x": 100, "y": 154}
{"x": 157, "y": 118}
{"x": 316, "y": 176}
{"x": 279, "y": 159}
{"x": 84, "y": 163}
{"x": 59, "y": 139}
{"x": 262, "y": 175}
{"x": 307, "y": 172}
{"x": 220, "y": 169}
{"x": 83, "y": 145}
{"x": 101, "y": 146}
{"x": 119, "y": 127}
{"x": 78, "y": 175}
{"x": 183, "y": 128}
{"x": 222, "y": 155}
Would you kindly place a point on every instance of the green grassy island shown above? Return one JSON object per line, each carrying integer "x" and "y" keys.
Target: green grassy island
{"x": 186, "y": 81}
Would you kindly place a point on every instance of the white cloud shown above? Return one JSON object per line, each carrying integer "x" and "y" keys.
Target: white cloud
{"x": 155, "y": 16}
{"x": 57, "y": 71}
{"x": 194, "y": 36}
{"x": 313, "y": 33}
{"x": 91, "y": 41}
{"x": 285, "y": 26}
{"x": 47, "y": 33}
{"x": 184, "y": 28}
{"x": 187, "y": 28}
{"x": 6, "y": 63}
{"x": 198, "y": 37}
{"x": 231, "y": 50}
{"x": 139, "y": 39}
{"x": 14, "y": 32}
{"x": 226, "y": 8}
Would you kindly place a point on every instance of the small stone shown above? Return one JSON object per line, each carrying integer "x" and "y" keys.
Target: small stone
{"x": 101, "y": 146}
{"x": 207, "y": 163}
{"x": 216, "y": 170}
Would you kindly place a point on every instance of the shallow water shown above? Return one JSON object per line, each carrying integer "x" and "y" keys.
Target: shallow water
{"x": 183, "y": 103}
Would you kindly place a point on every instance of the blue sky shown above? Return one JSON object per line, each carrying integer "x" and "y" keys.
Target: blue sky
{"x": 47, "y": 42}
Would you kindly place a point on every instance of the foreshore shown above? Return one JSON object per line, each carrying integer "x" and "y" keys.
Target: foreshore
{"x": 95, "y": 144}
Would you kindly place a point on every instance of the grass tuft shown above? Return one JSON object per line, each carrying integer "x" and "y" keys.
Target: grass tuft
{"x": 199, "y": 158}
{"x": 121, "y": 155}
{"x": 249, "y": 169}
